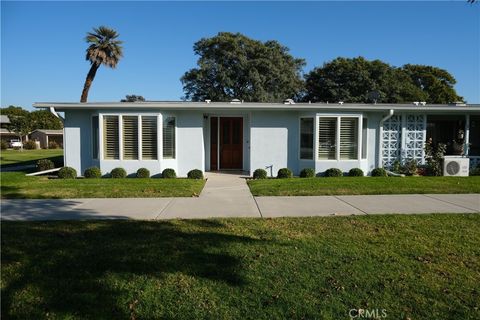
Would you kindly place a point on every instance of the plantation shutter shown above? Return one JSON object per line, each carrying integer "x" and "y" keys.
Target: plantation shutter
{"x": 110, "y": 137}
{"x": 130, "y": 137}
{"x": 327, "y": 131}
{"x": 348, "y": 138}
{"x": 169, "y": 138}
{"x": 149, "y": 138}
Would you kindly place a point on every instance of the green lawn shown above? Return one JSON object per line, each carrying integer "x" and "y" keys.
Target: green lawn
{"x": 412, "y": 266}
{"x": 15, "y": 185}
{"x": 25, "y": 157}
{"x": 365, "y": 185}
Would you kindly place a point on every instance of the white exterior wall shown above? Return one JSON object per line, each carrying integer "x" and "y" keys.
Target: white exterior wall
{"x": 77, "y": 136}
{"x": 189, "y": 146}
{"x": 274, "y": 141}
{"x": 271, "y": 140}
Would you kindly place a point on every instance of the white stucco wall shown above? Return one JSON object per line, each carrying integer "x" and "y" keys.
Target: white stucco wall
{"x": 77, "y": 140}
{"x": 274, "y": 141}
{"x": 271, "y": 140}
{"x": 189, "y": 146}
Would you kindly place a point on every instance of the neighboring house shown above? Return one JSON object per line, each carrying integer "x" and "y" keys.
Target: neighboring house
{"x": 46, "y": 136}
{"x": 247, "y": 136}
{"x": 5, "y": 134}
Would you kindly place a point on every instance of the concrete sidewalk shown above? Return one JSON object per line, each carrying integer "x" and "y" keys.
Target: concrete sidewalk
{"x": 227, "y": 195}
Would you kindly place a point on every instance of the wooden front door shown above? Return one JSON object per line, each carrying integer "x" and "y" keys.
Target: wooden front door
{"x": 231, "y": 143}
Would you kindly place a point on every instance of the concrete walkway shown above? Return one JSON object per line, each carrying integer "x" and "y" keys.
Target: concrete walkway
{"x": 227, "y": 195}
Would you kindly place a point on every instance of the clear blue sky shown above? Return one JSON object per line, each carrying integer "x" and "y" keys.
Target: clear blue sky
{"x": 43, "y": 44}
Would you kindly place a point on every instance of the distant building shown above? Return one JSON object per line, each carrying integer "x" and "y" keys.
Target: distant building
{"x": 5, "y": 134}
{"x": 47, "y": 136}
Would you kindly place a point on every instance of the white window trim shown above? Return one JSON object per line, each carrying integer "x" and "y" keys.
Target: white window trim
{"x": 120, "y": 128}
{"x": 161, "y": 135}
{"x": 366, "y": 139}
{"x": 337, "y": 137}
{"x": 91, "y": 136}
{"x": 300, "y": 137}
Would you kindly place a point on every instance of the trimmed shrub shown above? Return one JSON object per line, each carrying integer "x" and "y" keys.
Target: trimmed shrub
{"x": 333, "y": 172}
{"x": 307, "y": 173}
{"x": 143, "y": 173}
{"x": 30, "y": 145}
{"x": 355, "y": 172}
{"x": 3, "y": 145}
{"x": 195, "y": 174}
{"x": 169, "y": 173}
{"x": 118, "y": 173}
{"x": 475, "y": 171}
{"x": 67, "y": 173}
{"x": 260, "y": 174}
{"x": 45, "y": 164}
{"x": 379, "y": 172}
{"x": 53, "y": 145}
{"x": 92, "y": 173}
{"x": 284, "y": 173}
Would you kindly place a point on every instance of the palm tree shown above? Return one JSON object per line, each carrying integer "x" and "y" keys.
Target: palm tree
{"x": 103, "y": 49}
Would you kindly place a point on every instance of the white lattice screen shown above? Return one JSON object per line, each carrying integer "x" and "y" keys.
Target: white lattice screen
{"x": 415, "y": 131}
{"x": 391, "y": 140}
{"x": 403, "y": 139}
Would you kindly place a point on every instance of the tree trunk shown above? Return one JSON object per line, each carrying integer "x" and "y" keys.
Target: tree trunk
{"x": 88, "y": 82}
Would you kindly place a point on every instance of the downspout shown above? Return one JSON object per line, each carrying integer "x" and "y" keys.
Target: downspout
{"x": 380, "y": 138}
{"x": 52, "y": 111}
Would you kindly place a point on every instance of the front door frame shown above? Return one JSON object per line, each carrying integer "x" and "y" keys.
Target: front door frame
{"x": 218, "y": 116}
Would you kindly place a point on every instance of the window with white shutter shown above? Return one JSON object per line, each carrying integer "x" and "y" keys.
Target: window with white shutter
{"x": 169, "y": 138}
{"x": 348, "y": 138}
{"x": 149, "y": 138}
{"x": 110, "y": 137}
{"x": 306, "y": 138}
{"x": 327, "y": 138}
{"x": 130, "y": 137}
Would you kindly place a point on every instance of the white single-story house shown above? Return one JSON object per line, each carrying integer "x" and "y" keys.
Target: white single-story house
{"x": 246, "y": 136}
{"x": 45, "y": 136}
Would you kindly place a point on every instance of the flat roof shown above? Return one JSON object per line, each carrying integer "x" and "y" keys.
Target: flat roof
{"x": 187, "y": 105}
{"x": 49, "y": 131}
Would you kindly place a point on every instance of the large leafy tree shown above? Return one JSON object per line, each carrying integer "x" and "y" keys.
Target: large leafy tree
{"x": 23, "y": 122}
{"x": 104, "y": 49}
{"x": 43, "y": 119}
{"x": 436, "y": 83}
{"x": 361, "y": 80}
{"x": 233, "y": 66}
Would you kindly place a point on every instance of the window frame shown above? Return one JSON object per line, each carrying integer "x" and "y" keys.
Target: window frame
{"x": 164, "y": 118}
{"x": 337, "y": 136}
{"x": 92, "y": 138}
{"x": 139, "y": 141}
{"x": 119, "y": 133}
{"x": 364, "y": 138}
{"x": 159, "y": 136}
{"x": 300, "y": 138}
{"x": 101, "y": 117}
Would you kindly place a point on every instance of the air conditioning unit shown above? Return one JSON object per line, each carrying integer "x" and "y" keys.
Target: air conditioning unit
{"x": 456, "y": 166}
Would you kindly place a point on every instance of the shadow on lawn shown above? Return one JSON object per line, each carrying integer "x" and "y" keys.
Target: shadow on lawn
{"x": 66, "y": 265}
